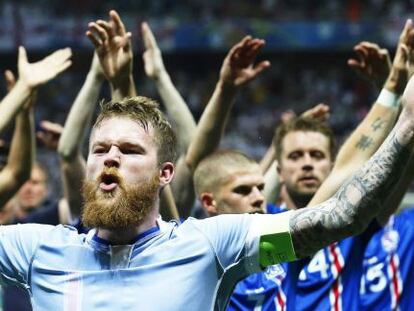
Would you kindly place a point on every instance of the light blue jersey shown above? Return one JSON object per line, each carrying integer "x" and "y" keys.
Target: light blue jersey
{"x": 170, "y": 268}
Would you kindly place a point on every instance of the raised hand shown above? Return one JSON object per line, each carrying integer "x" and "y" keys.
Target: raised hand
{"x": 50, "y": 134}
{"x": 35, "y": 74}
{"x": 238, "y": 67}
{"x": 372, "y": 63}
{"x": 399, "y": 75}
{"x": 113, "y": 46}
{"x": 153, "y": 62}
{"x": 287, "y": 115}
{"x": 10, "y": 79}
{"x": 319, "y": 112}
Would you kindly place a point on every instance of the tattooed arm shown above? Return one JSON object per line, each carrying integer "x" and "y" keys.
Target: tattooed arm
{"x": 375, "y": 127}
{"x": 360, "y": 199}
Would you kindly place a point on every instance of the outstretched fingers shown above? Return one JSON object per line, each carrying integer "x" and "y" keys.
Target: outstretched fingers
{"x": 148, "y": 36}
{"x": 10, "y": 79}
{"x": 117, "y": 23}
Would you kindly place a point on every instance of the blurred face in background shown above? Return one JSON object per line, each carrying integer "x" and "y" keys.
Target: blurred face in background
{"x": 33, "y": 192}
{"x": 305, "y": 163}
{"x": 241, "y": 192}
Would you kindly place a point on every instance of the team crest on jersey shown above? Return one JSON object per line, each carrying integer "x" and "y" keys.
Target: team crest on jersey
{"x": 389, "y": 240}
{"x": 275, "y": 272}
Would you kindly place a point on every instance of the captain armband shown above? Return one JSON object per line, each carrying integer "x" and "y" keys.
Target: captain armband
{"x": 275, "y": 241}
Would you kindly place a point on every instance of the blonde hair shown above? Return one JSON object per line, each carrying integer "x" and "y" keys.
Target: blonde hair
{"x": 145, "y": 111}
{"x": 214, "y": 170}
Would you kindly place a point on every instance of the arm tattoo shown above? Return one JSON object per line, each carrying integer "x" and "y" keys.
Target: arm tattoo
{"x": 378, "y": 124}
{"x": 355, "y": 204}
{"x": 364, "y": 142}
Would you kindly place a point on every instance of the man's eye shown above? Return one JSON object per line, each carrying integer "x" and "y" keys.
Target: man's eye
{"x": 318, "y": 155}
{"x": 130, "y": 151}
{"x": 98, "y": 150}
{"x": 294, "y": 155}
{"x": 243, "y": 190}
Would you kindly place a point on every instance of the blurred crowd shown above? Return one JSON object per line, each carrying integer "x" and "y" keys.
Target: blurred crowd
{"x": 353, "y": 10}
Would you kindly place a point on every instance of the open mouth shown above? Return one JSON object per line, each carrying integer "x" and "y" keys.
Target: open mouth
{"x": 108, "y": 182}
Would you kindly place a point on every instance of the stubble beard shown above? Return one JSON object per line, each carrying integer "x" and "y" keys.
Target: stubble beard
{"x": 125, "y": 206}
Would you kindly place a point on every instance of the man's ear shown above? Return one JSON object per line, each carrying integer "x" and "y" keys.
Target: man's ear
{"x": 208, "y": 203}
{"x": 166, "y": 173}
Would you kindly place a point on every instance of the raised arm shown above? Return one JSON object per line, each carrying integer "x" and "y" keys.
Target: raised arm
{"x": 176, "y": 107}
{"x": 375, "y": 127}
{"x": 373, "y": 63}
{"x": 30, "y": 77}
{"x": 238, "y": 68}
{"x": 113, "y": 46}
{"x": 361, "y": 198}
{"x": 21, "y": 154}
{"x": 73, "y": 135}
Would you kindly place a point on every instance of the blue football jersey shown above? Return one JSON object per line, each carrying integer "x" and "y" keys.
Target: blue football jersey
{"x": 388, "y": 278}
{"x": 261, "y": 291}
{"x": 330, "y": 279}
{"x": 327, "y": 281}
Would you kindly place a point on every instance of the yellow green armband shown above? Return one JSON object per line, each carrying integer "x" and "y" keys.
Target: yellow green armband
{"x": 275, "y": 242}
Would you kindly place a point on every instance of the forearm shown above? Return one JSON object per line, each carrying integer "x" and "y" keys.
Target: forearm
{"x": 397, "y": 193}
{"x": 168, "y": 209}
{"x": 271, "y": 190}
{"x": 20, "y": 158}
{"x": 12, "y": 103}
{"x": 80, "y": 117}
{"x": 182, "y": 187}
{"x": 73, "y": 174}
{"x": 358, "y": 201}
{"x": 211, "y": 126}
{"x": 177, "y": 109}
{"x": 358, "y": 148}
{"x": 123, "y": 88}
{"x": 268, "y": 159}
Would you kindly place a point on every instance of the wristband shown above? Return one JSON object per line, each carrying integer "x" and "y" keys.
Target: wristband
{"x": 388, "y": 99}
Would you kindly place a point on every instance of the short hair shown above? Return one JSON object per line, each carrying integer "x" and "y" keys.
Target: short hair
{"x": 146, "y": 112}
{"x": 217, "y": 168}
{"x": 303, "y": 124}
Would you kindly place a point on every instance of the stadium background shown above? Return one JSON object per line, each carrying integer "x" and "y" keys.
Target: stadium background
{"x": 307, "y": 42}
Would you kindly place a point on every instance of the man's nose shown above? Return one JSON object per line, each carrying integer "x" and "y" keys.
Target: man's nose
{"x": 113, "y": 157}
{"x": 307, "y": 162}
{"x": 258, "y": 198}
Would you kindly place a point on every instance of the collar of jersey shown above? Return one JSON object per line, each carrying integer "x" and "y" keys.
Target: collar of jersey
{"x": 139, "y": 239}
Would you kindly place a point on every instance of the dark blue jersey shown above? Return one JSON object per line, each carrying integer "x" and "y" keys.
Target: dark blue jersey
{"x": 388, "y": 278}
{"x": 327, "y": 281}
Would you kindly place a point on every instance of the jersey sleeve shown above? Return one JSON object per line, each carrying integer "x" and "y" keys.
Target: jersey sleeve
{"x": 18, "y": 244}
{"x": 260, "y": 240}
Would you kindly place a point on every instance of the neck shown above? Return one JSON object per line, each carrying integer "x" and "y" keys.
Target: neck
{"x": 295, "y": 202}
{"x": 123, "y": 236}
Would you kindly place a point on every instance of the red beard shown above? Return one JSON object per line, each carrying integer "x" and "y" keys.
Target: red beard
{"x": 125, "y": 206}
